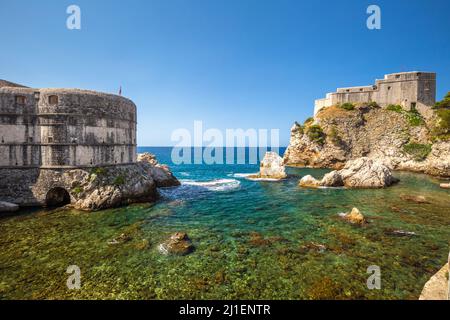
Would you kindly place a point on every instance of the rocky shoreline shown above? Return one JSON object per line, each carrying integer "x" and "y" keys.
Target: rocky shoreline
{"x": 92, "y": 189}
{"x": 336, "y": 136}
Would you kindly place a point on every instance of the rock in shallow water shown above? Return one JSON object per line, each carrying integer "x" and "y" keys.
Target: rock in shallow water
{"x": 271, "y": 167}
{"x": 178, "y": 244}
{"x": 416, "y": 199}
{"x": 354, "y": 216}
{"x": 445, "y": 185}
{"x": 120, "y": 239}
{"x": 309, "y": 182}
{"x": 359, "y": 173}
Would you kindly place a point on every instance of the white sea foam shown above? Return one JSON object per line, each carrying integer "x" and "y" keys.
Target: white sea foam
{"x": 248, "y": 177}
{"x": 213, "y": 185}
{"x": 241, "y": 175}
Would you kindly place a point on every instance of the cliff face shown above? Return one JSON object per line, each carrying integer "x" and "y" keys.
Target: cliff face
{"x": 400, "y": 140}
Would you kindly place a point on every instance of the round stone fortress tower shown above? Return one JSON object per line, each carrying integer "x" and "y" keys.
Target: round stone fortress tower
{"x": 62, "y": 128}
{"x": 46, "y": 133}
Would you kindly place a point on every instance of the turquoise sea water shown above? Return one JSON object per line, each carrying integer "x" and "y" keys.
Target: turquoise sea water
{"x": 253, "y": 239}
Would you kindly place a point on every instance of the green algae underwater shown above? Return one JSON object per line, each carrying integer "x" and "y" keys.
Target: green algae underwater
{"x": 253, "y": 240}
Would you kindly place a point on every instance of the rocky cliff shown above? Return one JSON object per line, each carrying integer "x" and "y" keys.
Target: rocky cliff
{"x": 401, "y": 140}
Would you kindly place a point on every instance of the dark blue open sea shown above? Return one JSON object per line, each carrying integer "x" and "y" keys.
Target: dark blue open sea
{"x": 253, "y": 240}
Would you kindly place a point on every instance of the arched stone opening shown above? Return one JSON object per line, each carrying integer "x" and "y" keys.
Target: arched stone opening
{"x": 57, "y": 197}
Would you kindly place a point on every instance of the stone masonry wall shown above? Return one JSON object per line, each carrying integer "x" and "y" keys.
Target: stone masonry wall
{"x": 44, "y": 133}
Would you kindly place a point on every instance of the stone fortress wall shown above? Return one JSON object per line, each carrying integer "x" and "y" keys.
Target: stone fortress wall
{"x": 411, "y": 90}
{"x": 45, "y": 132}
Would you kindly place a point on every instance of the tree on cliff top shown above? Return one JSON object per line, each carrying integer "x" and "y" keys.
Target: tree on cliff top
{"x": 444, "y": 103}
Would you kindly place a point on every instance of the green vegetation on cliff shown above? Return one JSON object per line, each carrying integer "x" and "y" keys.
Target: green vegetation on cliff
{"x": 315, "y": 133}
{"x": 441, "y": 129}
{"x": 394, "y": 107}
{"x": 414, "y": 117}
{"x": 418, "y": 151}
{"x": 298, "y": 128}
{"x": 347, "y": 106}
{"x": 444, "y": 103}
{"x": 333, "y": 134}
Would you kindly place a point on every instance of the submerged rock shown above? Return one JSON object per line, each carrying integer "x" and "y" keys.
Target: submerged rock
{"x": 8, "y": 207}
{"x": 416, "y": 199}
{"x": 354, "y": 217}
{"x": 120, "y": 239}
{"x": 400, "y": 233}
{"x": 271, "y": 167}
{"x": 320, "y": 248}
{"x": 178, "y": 244}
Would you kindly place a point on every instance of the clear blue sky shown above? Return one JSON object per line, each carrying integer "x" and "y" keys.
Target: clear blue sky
{"x": 231, "y": 63}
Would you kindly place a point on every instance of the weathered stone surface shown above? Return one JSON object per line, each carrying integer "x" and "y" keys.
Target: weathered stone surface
{"x": 332, "y": 179}
{"x": 178, "y": 244}
{"x": 309, "y": 182}
{"x": 370, "y": 132}
{"x": 8, "y": 207}
{"x": 271, "y": 167}
{"x": 364, "y": 173}
{"x": 437, "y": 288}
{"x": 148, "y": 158}
{"x": 159, "y": 172}
{"x": 359, "y": 173}
{"x": 354, "y": 217}
{"x": 111, "y": 187}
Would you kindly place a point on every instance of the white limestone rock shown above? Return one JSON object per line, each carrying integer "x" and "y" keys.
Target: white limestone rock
{"x": 309, "y": 182}
{"x": 366, "y": 173}
{"x": 360, "y": 173}
{"x": 437, "y": 288}
{"x": 272, "y": 167}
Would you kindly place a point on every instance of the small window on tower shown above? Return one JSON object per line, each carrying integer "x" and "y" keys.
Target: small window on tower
{"x": 50, "y": 139}
{"x": 20, "y": 99}
{"x": 53, "y": 100}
